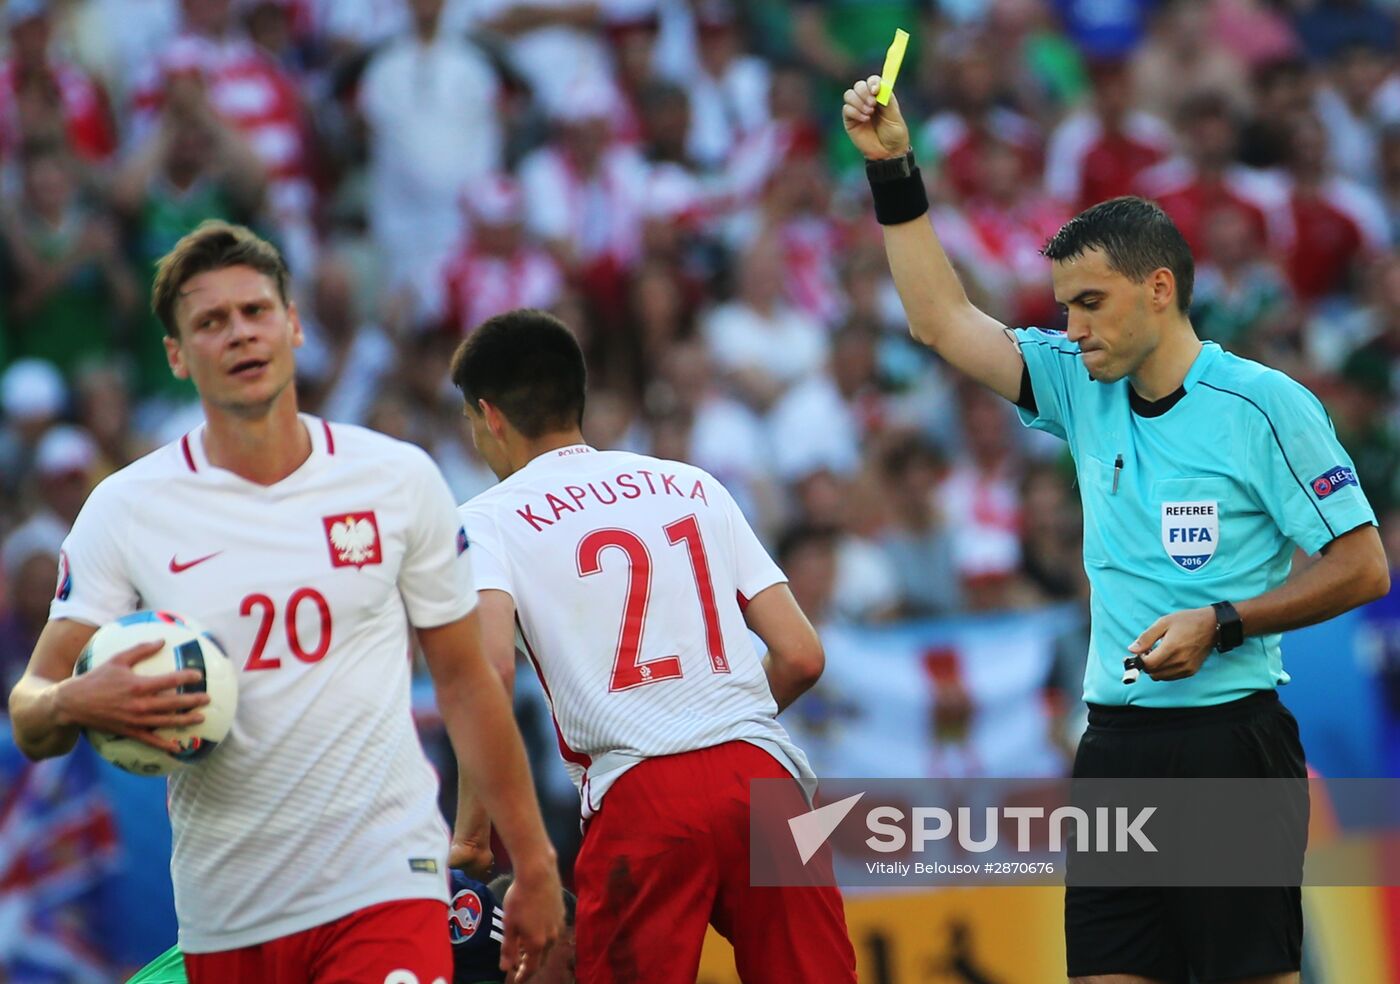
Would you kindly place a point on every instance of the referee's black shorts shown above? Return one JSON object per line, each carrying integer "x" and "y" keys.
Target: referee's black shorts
{"x": 1186, "y": 934}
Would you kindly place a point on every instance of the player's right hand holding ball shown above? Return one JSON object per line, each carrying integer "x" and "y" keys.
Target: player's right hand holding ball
{"x": 877, "y": 131}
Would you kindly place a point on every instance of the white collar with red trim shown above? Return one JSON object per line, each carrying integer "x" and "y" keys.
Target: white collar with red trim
{"x": 318, "y": 430}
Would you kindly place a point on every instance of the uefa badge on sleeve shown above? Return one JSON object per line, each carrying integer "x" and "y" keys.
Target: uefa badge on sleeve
{"x": 464, "y": 915}
{"x": 1190, "y": 532}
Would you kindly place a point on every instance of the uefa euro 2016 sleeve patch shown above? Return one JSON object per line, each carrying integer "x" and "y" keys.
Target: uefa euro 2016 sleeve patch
{"x": 1333, "y": 479}
{"x": 1191, "y": 532}
{"x": 464, "y": 915}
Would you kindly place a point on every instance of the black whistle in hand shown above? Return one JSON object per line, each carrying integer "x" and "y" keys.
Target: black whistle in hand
{"x": 1133, "y": 666}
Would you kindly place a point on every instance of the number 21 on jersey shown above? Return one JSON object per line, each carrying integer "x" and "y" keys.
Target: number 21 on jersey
{"x": 629, "y": 670}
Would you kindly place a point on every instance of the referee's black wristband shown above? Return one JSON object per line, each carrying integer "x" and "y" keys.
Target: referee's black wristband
{"x": 900, "y": 197}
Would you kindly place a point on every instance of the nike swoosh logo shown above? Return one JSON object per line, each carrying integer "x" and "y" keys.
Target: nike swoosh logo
{"x": 176, "y": 567}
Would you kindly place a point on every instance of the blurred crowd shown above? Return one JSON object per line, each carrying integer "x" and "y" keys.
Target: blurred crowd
{"x": 670, "y": 177}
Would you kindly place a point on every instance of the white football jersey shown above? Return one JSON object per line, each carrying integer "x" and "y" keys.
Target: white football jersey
{"x": 630, "y": 575}
{"x": 320, "y": 801}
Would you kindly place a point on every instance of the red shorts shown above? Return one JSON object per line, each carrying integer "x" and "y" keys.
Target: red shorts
{"x": 403, "y": 942}
{"x": 668, "y": 854}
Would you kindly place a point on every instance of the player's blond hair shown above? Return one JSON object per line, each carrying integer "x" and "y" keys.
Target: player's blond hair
{"x": 213, "y": 245}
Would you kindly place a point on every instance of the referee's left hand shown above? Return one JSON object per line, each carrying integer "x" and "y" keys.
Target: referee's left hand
{"x": 1183, "y": 640}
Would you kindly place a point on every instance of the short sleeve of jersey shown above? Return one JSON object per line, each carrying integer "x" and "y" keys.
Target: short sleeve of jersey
{"x": 754, "y": 570}
{"x": 435, "y": 579}
{"x": 94, "y": 585}
{"x": 1300, "y": 472}
{"x": 488, "y": 548}
{"x": 1052, "y": 360}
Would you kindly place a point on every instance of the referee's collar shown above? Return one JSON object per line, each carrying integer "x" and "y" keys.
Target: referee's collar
{"x": 1144, "y": 407}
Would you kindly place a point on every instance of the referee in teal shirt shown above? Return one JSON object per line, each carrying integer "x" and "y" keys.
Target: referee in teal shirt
{"x": 1199, "y": 472}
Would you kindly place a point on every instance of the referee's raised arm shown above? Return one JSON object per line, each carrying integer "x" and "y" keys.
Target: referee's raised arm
{"x": 940, "y": 314}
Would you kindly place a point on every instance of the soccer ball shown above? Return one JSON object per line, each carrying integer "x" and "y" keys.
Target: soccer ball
{"x": 187, "y": 647}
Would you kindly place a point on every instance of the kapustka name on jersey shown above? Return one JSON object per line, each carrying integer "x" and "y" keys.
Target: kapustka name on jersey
{"x": 609, "y": 492}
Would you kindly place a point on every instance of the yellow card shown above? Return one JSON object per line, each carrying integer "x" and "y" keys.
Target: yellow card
{"x": 893, "y": 59}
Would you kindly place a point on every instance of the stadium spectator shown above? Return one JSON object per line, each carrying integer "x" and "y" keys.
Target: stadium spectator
{"x": 1390, "y": 182}
{"x": 65, "y": 462}
{"x": 1204, "y": 177}
{"x": 34, "y": 74}
{"x": 32, "y": 397}
{"x": 976, "y": 114}
{"x": 917, "y": 539}
{"x": 213, "y": 62}
{"x": 103, "y": 397}
{"x": 1364, "y": 392}
{"x": 118, "y": 39}
{"x": 844, "y": 398}
{"x": 807, "y": 555}
{"x": 1371, "y": 320}
{"x": 347, "y": 357}
{"x": 495, "y": 269}
{"x": 29, "y": 561}
{"x": 557, "y": 47}
{"x": 982, "y": 499}
{"x": 1358, "y": 97}
{"x": 427, "y": 89}
{"x": 73, "y": 285}
{"x": 192, "y": 166}
{"x": 1182, "y": 60}
{"x": 758, "y": 340}
{"x": 1241, "y": 296}
{"x": 1330, "y": 26}
{"x": 1097, "y": 152}
{"x": 1337, "y": 223}
{"x": 1051, "y": 531}
{"x": 867, "y": 586}
{"x": 725, "y": 437}
{"x": 728, "y": 89}
{"x": 1011, "y": 219}
{"x": 834, "y": 37}
{"x": 582, "y": 196}
{"x": 1281, "y": 93}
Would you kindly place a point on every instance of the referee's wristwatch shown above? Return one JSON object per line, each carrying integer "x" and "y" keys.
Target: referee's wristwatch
{"x": 1229, "y": 629}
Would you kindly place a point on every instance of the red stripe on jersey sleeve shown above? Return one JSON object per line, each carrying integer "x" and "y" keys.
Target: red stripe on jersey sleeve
{"x": 330, "y": 439}
{"x": 189, "y": 457}
{"x": 743, "y": 601}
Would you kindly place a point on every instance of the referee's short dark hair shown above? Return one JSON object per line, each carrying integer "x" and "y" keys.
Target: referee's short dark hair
{"x": 529, "y": 365}
{"x": 1136, "y": 236}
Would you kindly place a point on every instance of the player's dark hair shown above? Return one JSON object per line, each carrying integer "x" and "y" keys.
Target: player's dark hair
{"x": 527, "y": 364}
{"x": 1136, "y": 237}
{"x": 213, "y": 245}
{"x": 802, "y": 536}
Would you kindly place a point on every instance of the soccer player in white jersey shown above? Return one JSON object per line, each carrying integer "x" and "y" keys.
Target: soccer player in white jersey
{"x": 633, "y": 583}
{"x": 308, "y": 847}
